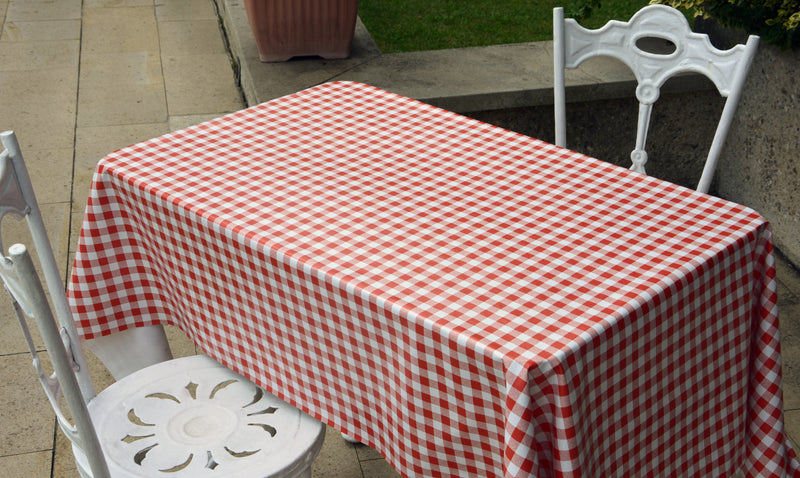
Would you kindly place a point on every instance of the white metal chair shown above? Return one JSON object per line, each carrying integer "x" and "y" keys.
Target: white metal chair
{"x": 625, "y": 41}
{"x": 188, "y": 417}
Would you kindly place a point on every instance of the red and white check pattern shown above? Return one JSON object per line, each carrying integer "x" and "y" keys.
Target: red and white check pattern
{"x": 466, "y": 300}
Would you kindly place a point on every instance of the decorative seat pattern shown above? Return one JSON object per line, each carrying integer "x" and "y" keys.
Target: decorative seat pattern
{"x": 192, "y": 416}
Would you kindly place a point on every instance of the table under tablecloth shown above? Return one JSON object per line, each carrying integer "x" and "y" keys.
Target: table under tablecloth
{"x": 467, "y": 300}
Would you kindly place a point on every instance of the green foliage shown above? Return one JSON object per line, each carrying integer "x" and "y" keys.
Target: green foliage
{"x": 581, "y": 10}
{"x": 775, "y": 21}
{"x": 412, "y": 25}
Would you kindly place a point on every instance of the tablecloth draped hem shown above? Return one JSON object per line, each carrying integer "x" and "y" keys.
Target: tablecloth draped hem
{"x": 311, "y": 311}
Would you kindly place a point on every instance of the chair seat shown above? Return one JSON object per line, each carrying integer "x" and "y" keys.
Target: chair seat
{"x": 192, "y": 417}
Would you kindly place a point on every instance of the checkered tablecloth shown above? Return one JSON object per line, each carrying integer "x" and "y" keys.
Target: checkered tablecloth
{"x": 467, "y": 300}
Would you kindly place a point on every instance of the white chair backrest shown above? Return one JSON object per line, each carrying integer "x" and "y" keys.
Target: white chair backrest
{"x": 71, "y": 373}
{"x": 20, "y": 279}
{"x": 625, "y": 41}
{"x": 17, "y": 197}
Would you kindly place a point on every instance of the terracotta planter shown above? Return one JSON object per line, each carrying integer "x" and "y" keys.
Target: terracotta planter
{"x": 287, "y": 28}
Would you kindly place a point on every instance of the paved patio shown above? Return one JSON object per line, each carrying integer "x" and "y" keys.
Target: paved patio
{"x": 81, "y": 78}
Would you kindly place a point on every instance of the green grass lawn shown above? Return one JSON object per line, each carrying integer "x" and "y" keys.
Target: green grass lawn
{"x": 414, "y": 25}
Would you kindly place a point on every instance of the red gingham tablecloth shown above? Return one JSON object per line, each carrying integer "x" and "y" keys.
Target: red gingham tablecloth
{"x": 467, "y": 300}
